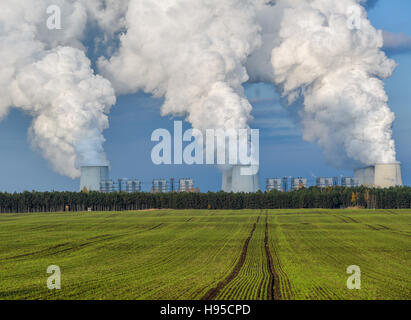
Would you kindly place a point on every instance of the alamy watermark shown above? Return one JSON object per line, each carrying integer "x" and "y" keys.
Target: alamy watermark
{"x": 214, "y": 146}
{"x": 354, "y": 281}
{"x": 54, "y": 281}
{"x": 54, "y": 17}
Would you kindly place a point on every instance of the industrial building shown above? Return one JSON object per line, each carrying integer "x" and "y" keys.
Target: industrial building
{"x": 92, "y": 176}
{"x": 242, "y": 179}
{"x": 172, "y": 187}
{"x": 108, "y": 186}
{"x": 186, "y": 185}
{"x": 122, "y": 185}
{"x": 285, "y": 184}
{"x": 324, "y": 182}
{"x": 298, "y": 183}
{"x": 349, "y": 182}
{"x": 159, "y": 186}
{"x": 274, "y": 184}
{"x": 133, "y": 186}
{"x": 380, "y": 175}
{"x": 236, "y": 179}
{"x": 96, "y": 178}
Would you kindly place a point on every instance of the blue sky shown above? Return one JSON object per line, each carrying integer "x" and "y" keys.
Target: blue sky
{"x": 283, "y": 152}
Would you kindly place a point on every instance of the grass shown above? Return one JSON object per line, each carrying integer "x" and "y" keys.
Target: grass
{"x": 170, "y": 254}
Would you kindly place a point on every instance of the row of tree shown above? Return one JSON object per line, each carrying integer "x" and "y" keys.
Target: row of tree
{"x": 329, "y": 198}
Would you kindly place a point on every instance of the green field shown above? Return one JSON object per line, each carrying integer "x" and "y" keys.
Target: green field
{"x": 206, "y": 254}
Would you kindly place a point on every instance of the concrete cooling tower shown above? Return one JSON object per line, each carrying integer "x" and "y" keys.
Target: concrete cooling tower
{"x": 91, "y": 176}
{"x": 380, "y": 175}
{"x": 234, "y": 180}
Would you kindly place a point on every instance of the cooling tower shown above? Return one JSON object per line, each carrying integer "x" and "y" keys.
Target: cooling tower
{"x": 380, "y": 175}
{"x": 238, "y": 179}
{"x": 91, "y": 176}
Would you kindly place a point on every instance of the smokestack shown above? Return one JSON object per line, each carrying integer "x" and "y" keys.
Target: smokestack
{"x": 234, "y": 180}
{"x": 382, "y": 175}
{"x": 92, "y": 176}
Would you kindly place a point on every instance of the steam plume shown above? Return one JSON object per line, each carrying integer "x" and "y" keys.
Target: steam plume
{"x": 45, "y": 73}
{"x": 197, "y": 54}
{"x": 334, "y": 73}
{"x": 191, "y": 52}
{"x": 194, "y": 53}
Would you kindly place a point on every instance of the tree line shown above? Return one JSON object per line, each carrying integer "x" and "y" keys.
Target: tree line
{"x": 328, "y": 198}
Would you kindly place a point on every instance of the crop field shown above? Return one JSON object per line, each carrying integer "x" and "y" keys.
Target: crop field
{"x": 207, "y": 254}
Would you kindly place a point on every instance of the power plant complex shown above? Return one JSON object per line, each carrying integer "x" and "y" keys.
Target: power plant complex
{"x": 380, "y": 175}
{"x": 243, "y": 179}
{"x": 96, "y": 178}
{"x": 292, "y": 184}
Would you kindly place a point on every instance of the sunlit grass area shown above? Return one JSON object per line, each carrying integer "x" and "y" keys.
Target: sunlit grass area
{"x": 189, "y": 254}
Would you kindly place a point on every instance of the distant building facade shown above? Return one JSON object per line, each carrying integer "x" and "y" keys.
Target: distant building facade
{"x": 133, "y": 186}
{"x": 159, "y": 186}
{"x": 122, "y": 185}
{"x": 285, "y": 184}
{"x": 298, "y": 183}
{"x": 349, "y": 182}
{"x": 324, "y": 182}
{"x": 186, "y": 185}
{"x": 274, "y": 184}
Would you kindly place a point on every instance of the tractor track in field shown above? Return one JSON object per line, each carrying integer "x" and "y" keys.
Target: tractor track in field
{"x": 74, "y": 246}
{"x": 213, "y": 293}
{"x": 274, "y": 291}
{"x": 351, "y": 219}
{"x": 156, "y": 226}
{"x": 278, "y": 277}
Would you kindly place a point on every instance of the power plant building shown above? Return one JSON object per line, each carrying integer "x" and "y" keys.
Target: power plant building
{"x": 325, "y": 182}
{"x": 274, "y": 184}
{"x": 298, "y": 183}
{"x": 380, "y": 175}
{"x": 159, "y": 186}
{"x": 133, "y": 186}
{"x": 186, "y": 185}
{"x": 285, "y": 184}
{"x": 241, "y": 179}
{"x": 107, "y": 186}
{"x": 122, "y": 185}
{"x": 92, "y": 176}
{"x": 349, "y": 182}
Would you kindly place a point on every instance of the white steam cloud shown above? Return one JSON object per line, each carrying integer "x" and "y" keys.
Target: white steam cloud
{"x": 197, "y": 55}
{"x": 46, "y": 73}
{"x": 326, "y": 59}
{"x": 191, "y": 52}
{"x": 69, "y": 106}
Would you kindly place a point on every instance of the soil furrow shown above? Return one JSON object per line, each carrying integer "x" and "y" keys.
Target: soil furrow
{"x": 274, "y": 292}
{"x": 213, "y": 293}
{"x": 277, "y": 271}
